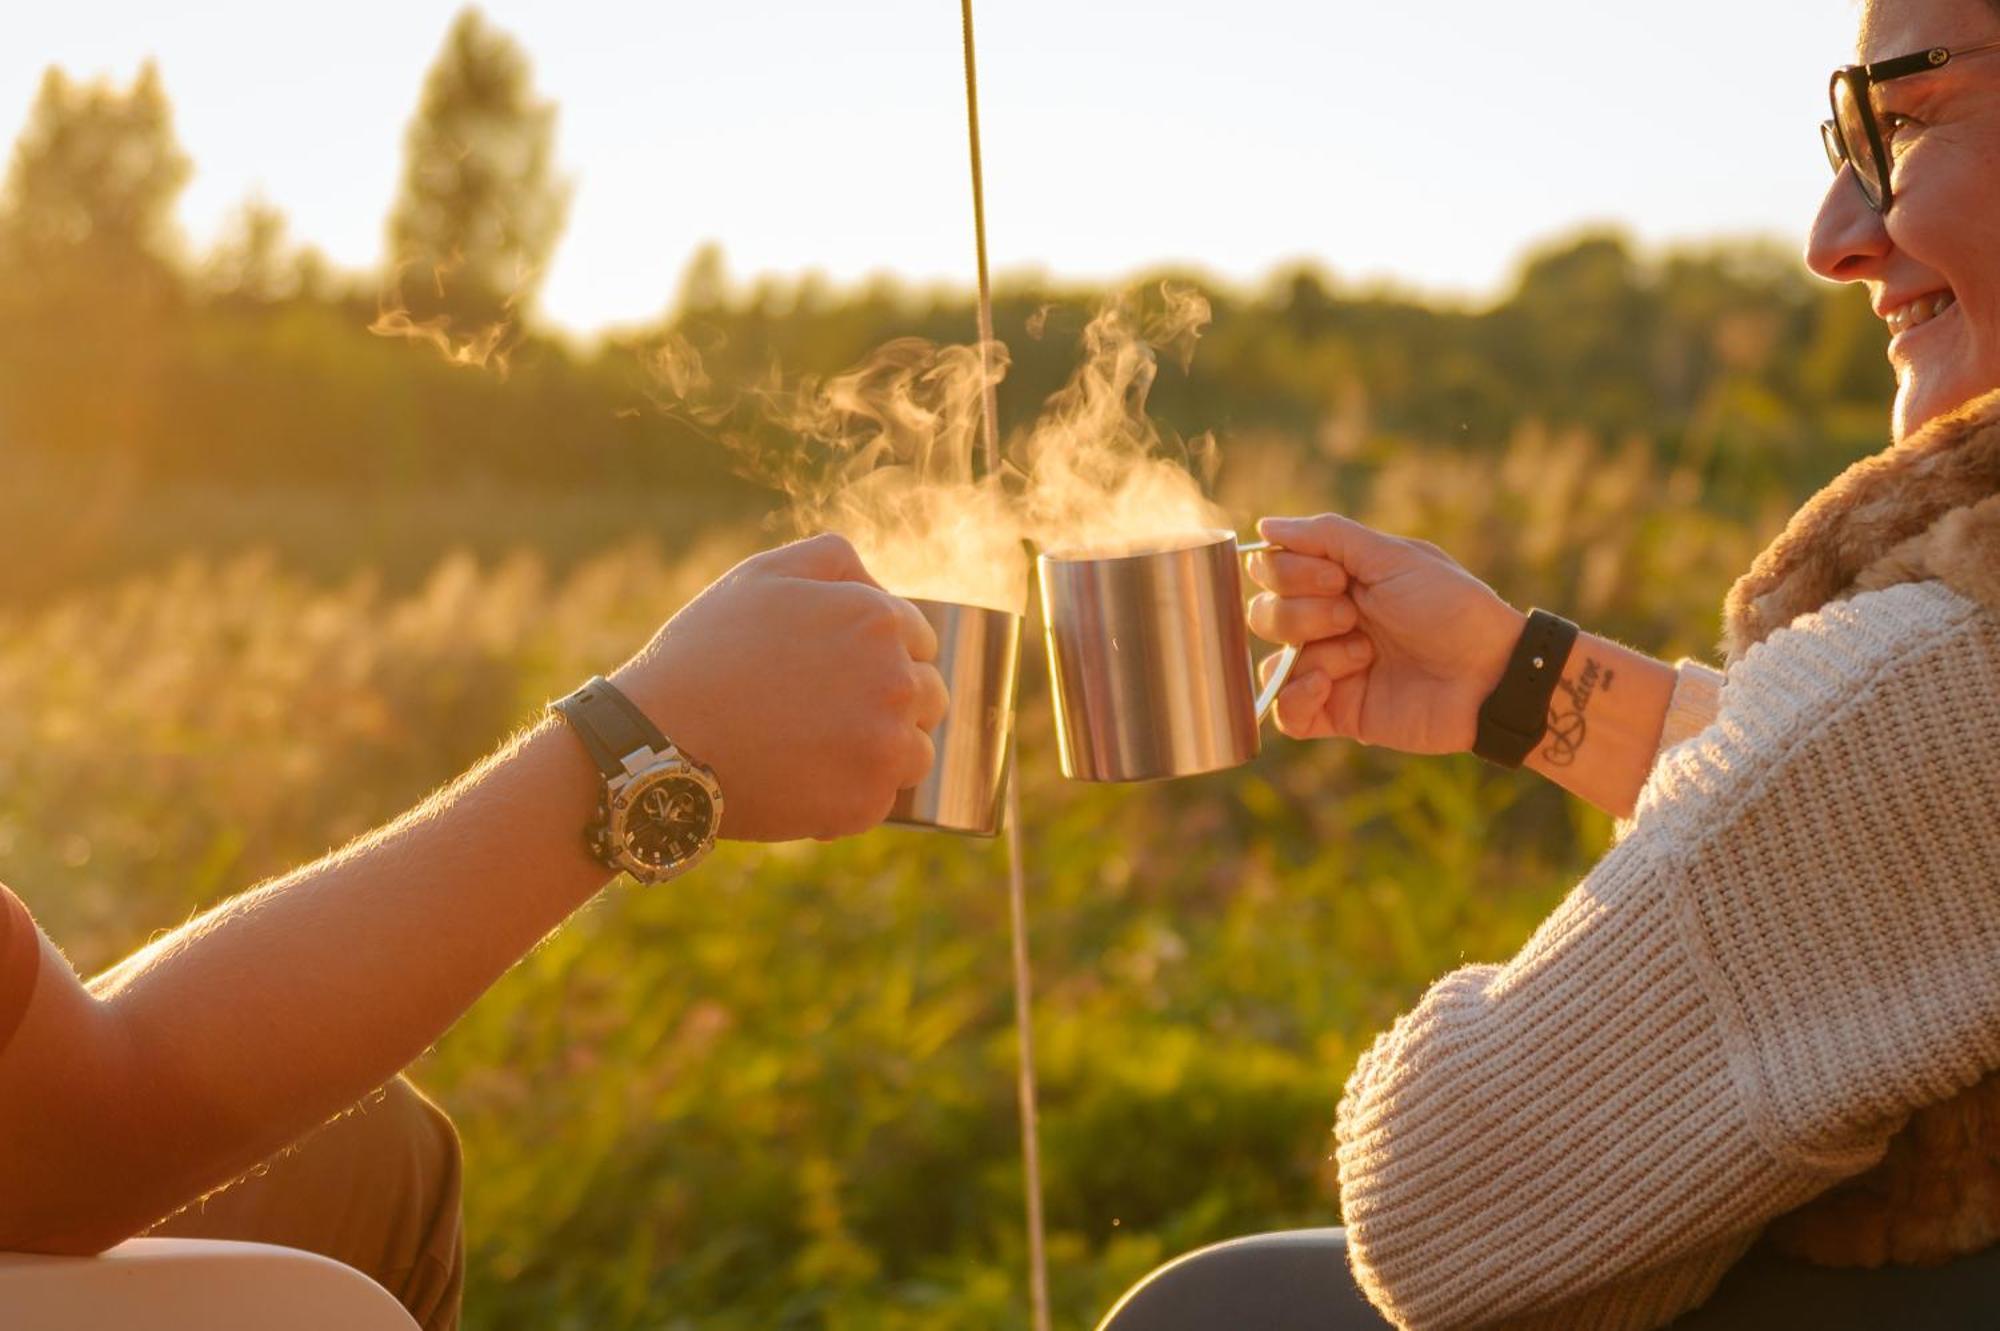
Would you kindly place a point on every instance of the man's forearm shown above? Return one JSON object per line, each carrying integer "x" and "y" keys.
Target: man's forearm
{"x": 1604, "y": 723}
{"x": 260, "y": 1019}
{"x": 805, "y": 687}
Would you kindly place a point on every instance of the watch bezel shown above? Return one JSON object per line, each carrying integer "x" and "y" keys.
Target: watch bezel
{"x": 620, "y": 799}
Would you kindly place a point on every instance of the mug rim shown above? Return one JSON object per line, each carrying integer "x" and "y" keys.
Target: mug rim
{"x": 964, "y": 605}
{"x": 1217, "y": 536}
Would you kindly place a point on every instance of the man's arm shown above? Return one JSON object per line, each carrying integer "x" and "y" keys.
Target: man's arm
{"x": 801, "y": 684}
{"x": 241, "y": 1030}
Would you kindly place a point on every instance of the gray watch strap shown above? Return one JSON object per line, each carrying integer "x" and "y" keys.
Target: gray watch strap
{"x": 609, "y": 724}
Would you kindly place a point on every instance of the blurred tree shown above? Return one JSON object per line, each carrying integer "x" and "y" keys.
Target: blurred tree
{"x": 705, "y": 288}
{"x": 1842, "y": 361}
{"x": 1578, "y": 327}
{"x": 88, "y": 285}
{"x": 253, "y": 260}
{"x": 480, "y": 207}
{"x": 91, "y": 188}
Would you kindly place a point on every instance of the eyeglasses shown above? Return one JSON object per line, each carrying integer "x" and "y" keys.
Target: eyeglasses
{"x": 1854, "y": 136}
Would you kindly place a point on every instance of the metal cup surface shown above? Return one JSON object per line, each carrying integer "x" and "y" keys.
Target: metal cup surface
{"x": 1149, "y": 657}
{"x": 979, "y": 656}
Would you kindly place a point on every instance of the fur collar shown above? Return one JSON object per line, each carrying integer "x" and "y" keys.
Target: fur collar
{"x": 1928, "y": 507}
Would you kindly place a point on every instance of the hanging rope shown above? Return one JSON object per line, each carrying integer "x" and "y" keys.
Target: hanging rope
{"x": 1017, "y": 904}
{"x": 990, "y": 422}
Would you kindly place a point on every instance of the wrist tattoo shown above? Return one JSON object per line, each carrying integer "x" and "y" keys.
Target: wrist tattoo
{"x": 1567, "y": 727}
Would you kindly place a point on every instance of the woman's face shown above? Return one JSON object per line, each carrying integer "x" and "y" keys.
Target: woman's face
{"x": 1932, "y": 265}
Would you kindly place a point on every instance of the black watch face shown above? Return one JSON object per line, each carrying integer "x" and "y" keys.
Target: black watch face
{"x": 668, "y": 821}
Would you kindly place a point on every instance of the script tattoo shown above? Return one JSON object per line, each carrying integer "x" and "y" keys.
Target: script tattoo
{"x": 1567, "y": 728}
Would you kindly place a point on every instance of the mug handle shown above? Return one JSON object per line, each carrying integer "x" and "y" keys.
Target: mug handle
{"x": 1288, "y": 657}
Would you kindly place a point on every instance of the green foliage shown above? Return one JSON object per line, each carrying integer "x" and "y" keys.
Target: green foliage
{"x": 782, "y": 1093}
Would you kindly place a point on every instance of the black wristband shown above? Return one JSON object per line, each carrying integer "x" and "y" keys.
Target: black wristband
{"x": 609, "y": 724}
{"x": 1515, "y": 715}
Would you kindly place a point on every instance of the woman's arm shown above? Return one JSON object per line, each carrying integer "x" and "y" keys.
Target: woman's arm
{"x": 1788, "y": 954}
{"x": 1403, "y": 645}
{"x": 800, "y": 683}
{"x": 1605, "y": 722}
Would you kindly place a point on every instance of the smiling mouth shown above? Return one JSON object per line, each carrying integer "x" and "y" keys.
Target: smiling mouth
{"x": 1922, "y": 310}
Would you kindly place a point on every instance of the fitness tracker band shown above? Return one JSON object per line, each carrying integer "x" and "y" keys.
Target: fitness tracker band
{"x": 1515, "y": 715}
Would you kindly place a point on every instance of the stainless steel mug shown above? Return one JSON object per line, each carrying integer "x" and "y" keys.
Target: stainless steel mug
{"x": 979, "y": 655}
{"x": 1150, "y": 659}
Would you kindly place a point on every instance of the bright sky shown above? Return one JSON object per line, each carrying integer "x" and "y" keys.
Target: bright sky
{"x": 1423, "y": 140}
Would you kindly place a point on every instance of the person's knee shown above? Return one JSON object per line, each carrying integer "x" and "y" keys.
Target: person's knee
{"x": 378, "y": 1188}
{"x": 1269, "y": 1282}
{"x": 425, "y": 1143}
{"x": 429, "y": 1131}
{"x": 432, "y": 1164}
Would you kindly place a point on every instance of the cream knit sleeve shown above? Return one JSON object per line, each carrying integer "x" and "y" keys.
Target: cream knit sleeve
{"x": 1696, "y": 699}
{"x": 1791, "y": 951}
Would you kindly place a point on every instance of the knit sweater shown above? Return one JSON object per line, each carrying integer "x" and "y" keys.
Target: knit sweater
{"x": 1788, "y": 952}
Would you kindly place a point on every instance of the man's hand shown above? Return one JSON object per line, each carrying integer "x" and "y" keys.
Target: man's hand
{"x": 807, "y": 688}
{"x": 1401, "y": 644}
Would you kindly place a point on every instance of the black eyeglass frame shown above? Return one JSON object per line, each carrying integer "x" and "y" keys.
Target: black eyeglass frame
{"x": 1859, "y": 79}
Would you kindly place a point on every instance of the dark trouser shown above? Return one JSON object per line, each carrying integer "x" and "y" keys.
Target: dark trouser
{"x": 1267, "y": 1282}
{"x": 377, "y": 1189}
{"x": 1298, "y": 1281}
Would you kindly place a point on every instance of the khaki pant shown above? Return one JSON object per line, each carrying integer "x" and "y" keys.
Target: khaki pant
{"x": 377, "y": 1189}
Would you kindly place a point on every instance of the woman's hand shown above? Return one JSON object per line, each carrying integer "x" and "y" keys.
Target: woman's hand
{"x": 806, "y": 687}
{"x": 1401, "y": 644}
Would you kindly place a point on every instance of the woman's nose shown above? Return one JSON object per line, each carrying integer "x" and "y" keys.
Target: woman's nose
{"x": 1848, "y": 240}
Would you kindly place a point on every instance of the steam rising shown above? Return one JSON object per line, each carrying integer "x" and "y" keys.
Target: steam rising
{"x": 474, "y": 349}
{"x": 1101, "y": 478}
{"x": 897, "y": 436}
{"x": 884, "y": 453}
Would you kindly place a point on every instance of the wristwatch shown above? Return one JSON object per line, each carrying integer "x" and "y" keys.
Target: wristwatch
{"x": 660, "y": 809}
